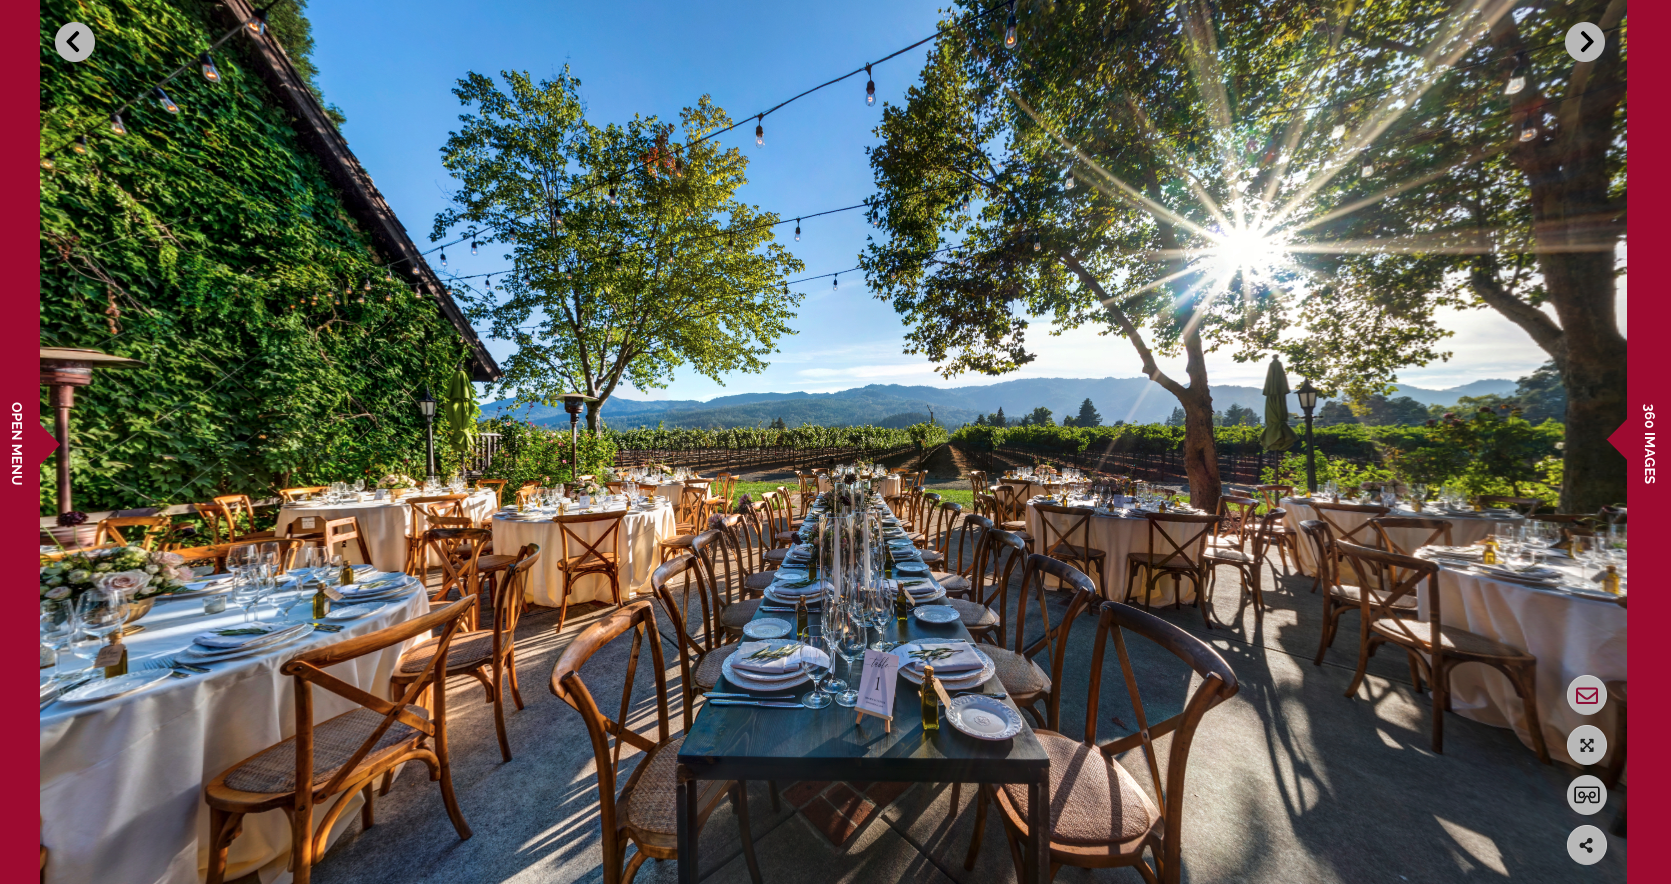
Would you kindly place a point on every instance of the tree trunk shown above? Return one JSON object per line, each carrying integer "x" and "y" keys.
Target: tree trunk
{"x": 592, "y": 419}
{"x": 1594, "y": 372}
{"x": 1200, "y": 449}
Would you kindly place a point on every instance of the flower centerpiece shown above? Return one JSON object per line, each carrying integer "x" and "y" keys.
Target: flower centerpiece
{"x": 397, "y": 480}
{"x": 587, "y": 490}
{"x": 133, "y": 570}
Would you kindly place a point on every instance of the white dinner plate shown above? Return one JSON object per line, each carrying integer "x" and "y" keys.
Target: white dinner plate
{"x": 767, "y": 627}
{"x": 110, "y": 688}
{"x": 914, "y": 675}
{"x": 983, "y": 718}
{"x": 773, "y": 596}
{"x": 756, "y": 681}
{"x": 935, "y": 613}
{"x": 194, "y": 654}
{"x": 354, "y": 611}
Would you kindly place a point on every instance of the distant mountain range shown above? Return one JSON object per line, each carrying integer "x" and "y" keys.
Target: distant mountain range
{"x": 1133, "y": 400}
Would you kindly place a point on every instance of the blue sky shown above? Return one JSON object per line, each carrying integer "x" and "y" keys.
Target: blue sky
{"x": 391, "y": 67}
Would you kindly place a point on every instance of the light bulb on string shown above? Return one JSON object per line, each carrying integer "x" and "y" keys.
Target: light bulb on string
{"x": 79, "y": 145}
{"x": 1366, "y": 170}
{"x": 473, "y": 245}
{"x": 1038, "y": 244}
{"x": 870, "y": 88}
{"x": 797, "y": 230}
{"x": 614, "y": 197}
{"x": 1068, "y": 182}
{"x": 1529, "y": 128}
{"x": 443, "y": 259}
{"x": 678, "y": 167}
{"x": 1009, "y": 29}
{"x": 47, "y": 163}
{"x": 835, "y": 283}
{"x": 388, "y": 275}
{"x": 258, "y": 24}
{"x": 368, "y": 284}
{"x": 207, "y": 64}
{"x": 1517, "y": 79}
{"x": 163, "y": 99}
{"x": 759, "y": 130}
{"x": 1338, "y": 132}
{"x": 116, "y": 126}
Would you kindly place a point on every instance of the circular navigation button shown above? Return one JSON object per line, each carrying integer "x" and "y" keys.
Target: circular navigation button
{"x": 1585, "y": 41}
{"x": 1586, "y": 845}
{"x": 1587, "y": 744}
{"x": 74, "y": 41}
{"x": 1586, "y": 695}
{"x": 1586, "y": 795}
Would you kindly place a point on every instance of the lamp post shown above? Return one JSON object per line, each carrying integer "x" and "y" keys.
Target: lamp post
{"x": 572, "y": 403}
{"x": 427, "y": 406}
{"x": 1307, "y": 394}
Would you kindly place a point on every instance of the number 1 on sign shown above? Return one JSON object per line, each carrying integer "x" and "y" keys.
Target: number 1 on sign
{"x": 876, "y": 687}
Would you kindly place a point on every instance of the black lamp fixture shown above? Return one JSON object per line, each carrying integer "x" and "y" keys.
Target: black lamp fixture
{"x": 1307, "y": 394}
{"x": 572, "y": 403}
{"x": 426, "y": 405}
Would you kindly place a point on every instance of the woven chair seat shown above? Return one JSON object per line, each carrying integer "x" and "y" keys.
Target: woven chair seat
{"x": 933, "y": 557}
{"x": 776, "y": 556}
{"x": 652, "y": 806}
{"x": 974, "y": 616}
{"x": 1076, "y": 552}
{"x": 1091, "y": 800}
{"x": 469, "y": 649}
{"x": 955, "y": 584}
{"x": 708, "y": 673}
{"x": 759, "y": 581}
{"x": 1455, "y": 640}
{"x": 1229, "y": 555}
{"x": 785, "y": 537}
{"x": 599, "y": 559}
{"x": 334, "y": 742}
{"x": 681, "y": 541}
{"x": 917, "y": 537}
{"x": 1352, "y": 595}
{"x": 1018, "y": 674}
{"x": 1014, "y": 525}
{"x": 737, "y": 614}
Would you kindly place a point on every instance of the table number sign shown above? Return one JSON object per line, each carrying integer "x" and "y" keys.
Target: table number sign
{"x": 876, "y": 687}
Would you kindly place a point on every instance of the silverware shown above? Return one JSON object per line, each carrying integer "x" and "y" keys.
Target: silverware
{"x": 981, "y": 694}
{"x": 327, "y": 627}
{"x": 725, "y": 695}
{"x": 772, "y": 704}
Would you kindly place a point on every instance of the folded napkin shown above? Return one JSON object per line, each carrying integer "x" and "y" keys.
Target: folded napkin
{"x": 211, "y": 583}
{"x": 371, "y": 587}
{"x": 799, "y": 552}
{"x": 913, "y": 588}
{"x": 793, "y": 590}
{"x": 1456, "y": 552}
{"x": 1528, "y": 573}
{"x": 961, "y": 659}
{"x": 235, "y": 636}
{"x": 784, "y": 665}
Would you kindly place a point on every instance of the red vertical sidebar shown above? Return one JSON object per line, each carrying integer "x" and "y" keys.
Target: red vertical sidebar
{"x": 1650, "y": 181}
{"x": 20, "y": 368}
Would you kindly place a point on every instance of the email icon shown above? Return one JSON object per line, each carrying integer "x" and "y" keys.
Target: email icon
{"x": 1587, "y": 696}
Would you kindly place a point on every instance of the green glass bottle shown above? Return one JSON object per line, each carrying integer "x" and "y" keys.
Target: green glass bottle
{"x": 931, "y": 700}
{"x": 321, "y": 601}
{"x": 347, "y": 577}
{"x": 902, "y": 605}
{"x": 800, "y": 618}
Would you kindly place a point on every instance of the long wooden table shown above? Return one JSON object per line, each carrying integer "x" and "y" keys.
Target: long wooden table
{"x": 759, "y": 743}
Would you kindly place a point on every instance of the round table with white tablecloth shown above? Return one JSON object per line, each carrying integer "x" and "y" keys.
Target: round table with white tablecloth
{"x": 636, "y": 549}
{"x": 384, "y": 524}
{"x": 1571, "y": 634}
{"x": 1466, "y": 528}
{"x": 122, "y": 780}
{"x": 887, "y": 486}
{"x": 1117, "y": 536}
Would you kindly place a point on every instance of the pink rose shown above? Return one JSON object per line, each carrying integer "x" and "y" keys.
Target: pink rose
{"x": 129, "y": 583}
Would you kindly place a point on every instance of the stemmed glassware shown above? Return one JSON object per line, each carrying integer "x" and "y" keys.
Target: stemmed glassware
{"x": 100, "y": 614}
{"x": 817, "y": 662}
{"x": 849, "y": 637}
{"x": 58, "y": 628}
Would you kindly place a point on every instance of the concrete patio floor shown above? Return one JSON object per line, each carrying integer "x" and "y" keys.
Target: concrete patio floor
{"x": 1288, "y": 781}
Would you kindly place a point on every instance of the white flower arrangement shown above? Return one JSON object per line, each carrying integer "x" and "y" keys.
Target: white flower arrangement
{"x": 129, "y": 569}
{"x": 397, "y": 480}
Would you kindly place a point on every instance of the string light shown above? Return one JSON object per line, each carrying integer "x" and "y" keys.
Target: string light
{"x": 797, "y": 230}
{"x": 1517, "y": 80}
{"x": 760, "y": 130}
{"x": 835, "y": 282}
{"x": 1529, "y": 129}
{"x": 80, "y": 145}
{"x": 870, "y": 88}
{"x": 473, "y": 245}
{"x": 678, "y": 167}
{"x": 1067, "y": 183}
{"x": 116, "y": 126}
{"x": 258, "y": 24}
{"x": 368, "y": 284}
{"x": 210, "y": 72}
{"x": 1338, "y": 132}
{"x": 443, "y": 259}
{"x": 1037, "y": 243}
{"x": 166, "y": 102}
{"x": 47, "y": 163}
{"x": 614, "y": 199}
{"x": 1009, "y": 28}
{"x": 1367, "y": 170}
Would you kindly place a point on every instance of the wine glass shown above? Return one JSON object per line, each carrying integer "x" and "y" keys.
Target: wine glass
{"x": 1591, "y": 551}
{"x": 815, "y": 660}
{"x": 850, "y": 644}
{"x": 58, "y": 628}
{"x": 101, "y": 613}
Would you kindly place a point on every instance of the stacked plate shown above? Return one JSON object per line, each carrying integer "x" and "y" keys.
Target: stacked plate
{"x": 197, "y": 589}
{"x": 764, "y": 681}
{"x": 983, "y": 717}
{"x": 245, "y": 640}
{"x": 922, "y": 590}
{"x": 790, "y": 592}
{"x": 378, "y": 589}
{"x": 962, "y": 679}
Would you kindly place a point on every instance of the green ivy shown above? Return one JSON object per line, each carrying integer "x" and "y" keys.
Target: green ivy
{"x": 198, "y": 243}
{"x": 527, "y": 453}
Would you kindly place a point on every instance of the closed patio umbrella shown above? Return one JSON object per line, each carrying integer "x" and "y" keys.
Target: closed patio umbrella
{"x": 459, "y": 407}
{"x": 1278, "y": 436}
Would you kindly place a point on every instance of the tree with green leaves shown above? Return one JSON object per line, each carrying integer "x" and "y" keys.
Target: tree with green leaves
{"x": 1176, "y": 418}
{"x": 778, "y": 424}
{"x": 997, "y": 419}
{"x": 631, "y": 255}
{"x": 1088, "y": 416}
{"x": 1335, "y": 411}
{"x": 1238, "y": 415}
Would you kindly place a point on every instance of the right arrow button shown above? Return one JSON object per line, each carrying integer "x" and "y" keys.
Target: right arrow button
{"x": 1585, "y": 41}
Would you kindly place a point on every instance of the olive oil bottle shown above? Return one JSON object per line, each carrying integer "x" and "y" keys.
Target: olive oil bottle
{"x": 931, "y": 700}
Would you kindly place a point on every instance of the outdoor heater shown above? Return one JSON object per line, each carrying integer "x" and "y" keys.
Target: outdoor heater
{"x": 1307, "y": 394}
{"x": 63, "y": 369}
{"x": 426, "y": 404}
{"x": 572, "y": 403}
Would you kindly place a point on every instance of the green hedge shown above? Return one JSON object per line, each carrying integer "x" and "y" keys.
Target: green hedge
{"x": 199, "y": 243}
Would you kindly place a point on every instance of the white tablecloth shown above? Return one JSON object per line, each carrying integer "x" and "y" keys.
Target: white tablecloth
{"x": 1571, "y": 635}
{"x": 1466, "y": 528}
{"x": 887, "y": 486}
{"x": 1117, "y": 536}
{"x": 385, "y": 524}
{"x": 636, "y": 544}
{"x": 122, "y": 781}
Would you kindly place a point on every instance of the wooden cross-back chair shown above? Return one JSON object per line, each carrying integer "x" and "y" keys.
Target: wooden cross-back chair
{"x": 650, "y": 823}
{"x": 735, "y": 600}
{"x": 417, "y": 563}
{"x": 1344, "y": 527}
{"x": 705, "y": 657}
{"x": 488, "y": 655}
{"x": 1433, "y": 649}
{"x": 234, "y": 505}
{"x": 343, "y": 754}
{"x": 720, "y": 493}
{"x": 152, "y": 531}
{"x": 440, "y": 505}
{"x": 779, "y": 534}
{"x": 1437, "y": 531}
{"x": 1238, "y": 519}
{"x": 1522, "y": 505}
{"x": 692, "y": 513}
{"x": 458, "y": 548}
{"x": 1013, "y": 499}
{"x": 582, "y": 557}
{"x": 1000, "y": 553}
{"x": 1058, "y": 540}
{"x": 1282, "y": 537}
{"x": 977, "y": 481}
{"x": 1085, "y": 774}
{"x": 988, "y": 506}
{"x": 1247, "y": 557}
{"x": 1180, "y": 558}
{"x": 1024, "y": 680}
{"x": 957, "y": 556}
{"x": 1339, "y": 598}
{"x": 338, "y": 532}
{"x": 498, "y": 487}
{"x": 291, "y": 495}
{"x": 786, "y": 500}
{"x": 756, "y": 542}
{"x": 931, "y": 518}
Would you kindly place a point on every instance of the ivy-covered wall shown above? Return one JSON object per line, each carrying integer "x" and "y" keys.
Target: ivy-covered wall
{"x": 211, "y": 245}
